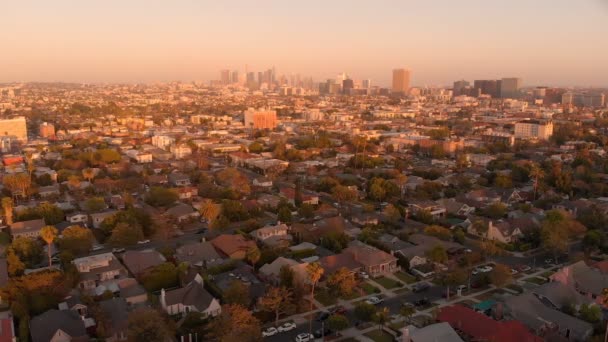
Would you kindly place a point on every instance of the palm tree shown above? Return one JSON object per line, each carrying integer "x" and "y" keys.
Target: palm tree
{"x": 253, "y": 255}
{"x": 537, "y": 174}
{"x": 315, "y": 271}
{"x": 48, "y": 234}
{"x": 381, "y": 317}
{"x": 7, "y": 205}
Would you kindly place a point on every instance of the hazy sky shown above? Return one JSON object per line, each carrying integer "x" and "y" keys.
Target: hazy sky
{"x": 552, "y": 42}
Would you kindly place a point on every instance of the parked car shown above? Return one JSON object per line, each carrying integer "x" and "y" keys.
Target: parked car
{"x": 322, "y": 316}
{"x": 287, "y": 326}
{"x": 118, "y": 250}
{"x": 374, "y": 300}
{"x": 363, "y": 275}
{"x": 548, "y": 261}
{"x": 143, "y": 242}
{"x": 420, "y": 287}
{"x": 486, "y": 268}
{"x": 322, "y": 333}
{"x": 304, "y": 337}
{"x": 514, "y": 271}
{"x": 421, "y": 302}
{"x": 338, "y": 309}
{"x": 96, "y": 248}
{"x": 269, "y": 332}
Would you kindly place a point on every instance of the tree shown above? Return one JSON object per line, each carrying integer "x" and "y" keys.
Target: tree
{"x": 495, "y": 210}
{"x": 48, "y": 234}
{"x": 235, "y": 180}
{"x": 392, "y": 214}
{"x": 343, "y": 193}
{"x": 284, "y": 214}
{"x": 147, "y": 325}
{"x": 88, "y": 174}
{"x": 161, "y": 197}
{"x": 210, "y": 211}
{"x": 481, "y": 228}
{"x": 407, "y": 311}
{"x": 15, "y": 266}
{"x": 557, "y": 228}
{"x": 306, "y": 210}
{"x": 236, "y": 324}
{"x": 590, "y": 313}
{"x": 94, "y": 204}
{"x": 500, "y": 275}
{"x": 364, "y": 311}
{"x": 161, "y": 276}
{"x": 7, "y": 206}
{"x": 237, "y": 293}
{"x": 342, "y": 282}
{"x": 593, "y": 240}
{"x": 253, "y": 255}
{"x": 278, "y": 300}
{"x": 256, "y": 147}
{"x": 454, "y": 277}
{"x": 537, "y": 174}
{"x": 437, "y": 254}
{"x": 125, "y": 235}
{"x": 18, "y": 184}
{"x": 438, "y": 232}
{"x": 234, "y": 210}
{"x": 381, "y": 317}
{"x": 74, "y": 182}
{"x": 503, "y": 181}
{"x": 28, "y": 250}
{"x": 338, "y": 322}
{"x": 287, "y": 277}
{"x": 314, "y": 271}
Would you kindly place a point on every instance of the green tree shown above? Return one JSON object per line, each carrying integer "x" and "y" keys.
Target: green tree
{"x": 48, "y": 234}
{"x": 256, "y": 147}
{"x": 162, "y": 276}
{"x": 287, "y": 277}
{"x": 161, "y": 197}
{"x": 437, "y": 254}
{"x": 392, "y": 214}
{"x": 495, "y": 210}
{"x": 253, "y": 255}
{"x": 338, "y": 322}
{"x": 306, "y": 210}
{"x": 94, "y": 204}
{"x": 593, "y": 240}
{"x": 28, "y": 250}
{"x": 381, "y": 317}
{"x": 77, "y": 240}
{"x": 590, "y": 313}
{"x": 237, "y": 293}
{"x": 284, "y": 214}
{"x": 343, "y": 193}
{"x": 125, "y": 235}
{"x": 364, "y": 311}
{"x": 438, "y": 232}
{"x": 148, "y": 325}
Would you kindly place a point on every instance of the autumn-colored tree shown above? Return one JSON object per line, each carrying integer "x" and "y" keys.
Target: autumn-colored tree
{"x": 74, "y": 182}
{"x": 557, "y": 228}
{"x": 14, "y": 264}
{"x": 235, "y": 324}
{"x": 210, "y": 211}
{"x": 278, "y": 300}
{"x": 18, "y": 184}
{"x": 253, "y": 255}
{"x": 381, "y": 317}
{"x": 314, "y": 271}
{"x": 500, "y": 275}
{"x": 76, "y": 239}
{"x": 7, "y": 207}
{"x": 48, "y": 234}
{"x": 88, "y": 174}
{"x": 148, "y": 325}
{"x": 391, "y": 213}
{"x": 235, "y": 180}
{"x": 342, "y": 282}
{"x": 343, "y": 194}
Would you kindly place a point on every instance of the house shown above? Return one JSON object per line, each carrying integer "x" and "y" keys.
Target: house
{"x": 138, "y": 262}
{"x": 75, "y": 304}
{"x": 476, "y": 326}
{"x": 440, "y": 332}
{"x": 272, "y": 272}
{"x": 586, "y": 280}
{"x": 315, "y": 231}
{"x": 132, "y": 291}
{"x": 307, "y": 197}
{"x": 182, "y": 212}
{"x": 233, "y": 246}
{"x": 58, "y": 326}
{"x": 115, "y": 312}
{"x": 200, "y": 254}
{"x": 98, "y": 218}
{"x": 364, "y": 219}
{"x": 29, "y": 229}
{"x": 503, "y": 231}
{"x": 49, "y": 191}
{"x": 276, "y": 236}
{"x": 433, "y": 208}
{"x": 179, "y": 179}
{"x": 76, "y": 218}
{"x": 544, "y": 319}
{"x": 99, "y": 273}
{"x": 192, "y": 298}
{"x": 186, "y": 192}
{"x": 454, "y": 207}
{"x": 262, "y": 182}
{"x": 359, "y": 256}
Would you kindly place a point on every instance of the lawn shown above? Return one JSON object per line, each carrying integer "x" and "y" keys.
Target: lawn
{"x": 535, "y": 280}
{"x": 402, "y": 291}
{"x": 369, "y": 288}
{"x": 405, "y": 277}
{"x": 356, "y": 293}
{"x": 380, "y": 336}
{"x": 388, "y": 283}
{"x": 324, "y": 297}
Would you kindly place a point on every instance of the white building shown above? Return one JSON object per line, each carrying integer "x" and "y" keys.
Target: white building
{"x": 162, "y": 141}
{"x": 534, "y": 129}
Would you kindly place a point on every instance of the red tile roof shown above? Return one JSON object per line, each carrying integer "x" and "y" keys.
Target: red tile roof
{"x": 482, "y": 327}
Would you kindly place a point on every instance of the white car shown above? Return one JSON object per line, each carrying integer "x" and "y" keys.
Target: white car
{"x": 486, "y": 269}
{"x": 287, "y": 327}
{"x": 118, "y": 250}
{"x": 475, "y": 271}
{"x": 270, "y": 332}
{"x": 304, "y": 337}
{"x": 374, "y": 300}
{"x": 143, "y": 242}
{"x": 514, "y": 271}
{"x": 97, "y": 248}
{"x": 363, "y": 275}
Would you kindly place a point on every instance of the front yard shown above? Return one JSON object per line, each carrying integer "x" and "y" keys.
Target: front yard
{"x": 406, "y": 277}
{"x": 388, "y": 283}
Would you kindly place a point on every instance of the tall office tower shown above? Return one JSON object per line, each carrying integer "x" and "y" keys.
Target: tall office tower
{"x": 260, "y": 119}
{"x": 15, "y": 128}
{"x": 260, "y": 77}
{"x": 509, "y": 87}
{"x": 347, "y": 85}
{"x": 366, "y": 84}
{"x": 225, "y": 76}
{"x": 488, "y": 87}
{"x": 250, "y": 77}
{"x": 47, "y": 130}
{"x": 460, "y": 87}
{"x": 235, "y": 77}
{"x": 401, "y": 81}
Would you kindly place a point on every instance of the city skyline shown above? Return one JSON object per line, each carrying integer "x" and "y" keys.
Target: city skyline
{"x": 191, "y": 41}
